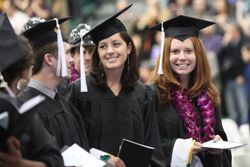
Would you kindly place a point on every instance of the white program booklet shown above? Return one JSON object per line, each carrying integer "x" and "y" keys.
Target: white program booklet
{"x": 76, "y": 156}
{"x": 222, "y": 145}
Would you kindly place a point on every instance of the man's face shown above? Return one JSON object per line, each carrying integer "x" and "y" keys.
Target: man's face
{"x": 69, "y": 59}
{"x": 87, "y": 58}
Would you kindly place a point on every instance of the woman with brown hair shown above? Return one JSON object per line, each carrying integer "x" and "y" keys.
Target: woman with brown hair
{"x": 117, "y": 105}
{"x": 185, "y": 98}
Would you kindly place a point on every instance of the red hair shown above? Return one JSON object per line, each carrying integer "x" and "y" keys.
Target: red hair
{"x": 200, "y": 77}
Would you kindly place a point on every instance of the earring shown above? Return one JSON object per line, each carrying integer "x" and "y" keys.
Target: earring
{"x": 22, "y": 85}
{"x": 128, "y": 63}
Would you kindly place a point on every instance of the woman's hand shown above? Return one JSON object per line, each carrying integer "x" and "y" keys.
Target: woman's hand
{"x": 197, "y": 148}
{"x": 13, "y": 157}
{"x": 116, "y": 161}
{"x": 216, "y": 151}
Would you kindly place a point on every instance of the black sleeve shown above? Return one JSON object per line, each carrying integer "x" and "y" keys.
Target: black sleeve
{"x": 167, "y": 144}
{"x": 39, "y": 145}
{"x": 152, "y": 137}
{"x": 79, "y": 100}
{"x": 71, "y": 94}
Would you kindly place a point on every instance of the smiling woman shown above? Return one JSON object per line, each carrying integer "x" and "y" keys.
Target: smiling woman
{"x": 117, "y": 105}
{"x": 186, "y": 101}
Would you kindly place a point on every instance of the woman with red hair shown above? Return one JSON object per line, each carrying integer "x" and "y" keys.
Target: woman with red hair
{"x": 185, "y": 98}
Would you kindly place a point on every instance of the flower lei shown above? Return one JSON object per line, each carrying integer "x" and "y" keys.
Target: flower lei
{"x": 74, "y": 73}
{"x": 188, "y": 114}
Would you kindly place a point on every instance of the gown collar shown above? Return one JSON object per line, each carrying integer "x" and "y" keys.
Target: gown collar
{"x": 42, "y": 88}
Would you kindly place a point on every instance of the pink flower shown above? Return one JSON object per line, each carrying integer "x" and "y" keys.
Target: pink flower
{"x": 188, "y": 114}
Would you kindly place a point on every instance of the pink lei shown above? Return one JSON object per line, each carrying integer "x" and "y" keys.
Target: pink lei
{"x": 188, "y": 114}
{"x": 74, "y": 73}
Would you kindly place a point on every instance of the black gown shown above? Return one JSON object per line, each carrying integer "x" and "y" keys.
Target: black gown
{"x": 171, "y": 128}
{"x": 60, "y": 118}
{"x": 109, "y": 118}
{"x": 37, "y": 144}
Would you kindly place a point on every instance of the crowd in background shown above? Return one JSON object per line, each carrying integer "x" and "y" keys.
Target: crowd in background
{"x": 226, "y": 43}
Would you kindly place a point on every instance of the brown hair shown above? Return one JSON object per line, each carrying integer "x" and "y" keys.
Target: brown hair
{"x": 39, "y": 55}
{"x": 24, "y": 63}
{"x": 129, "y": 76}
{"x": 200, "y": 77}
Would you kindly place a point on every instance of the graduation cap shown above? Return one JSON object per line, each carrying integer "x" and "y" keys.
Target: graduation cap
{"x": 181, "y": 28}
{"x": 13, "y": 120}
{"x": 103, "y": 30}
{"x": 106, "y": 28}
{"x": 77, "y": 33}
{"x": 10, "y": 48}
{"x": 41, "y": 32}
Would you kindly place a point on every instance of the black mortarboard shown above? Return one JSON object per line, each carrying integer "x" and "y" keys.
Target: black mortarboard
{"x": 182, "y": 27}
{"x": 77, "y": 33}
{"x": 10, "y": 47}
{"x": 106, "y": 28}
{"x": 41, "y": 32}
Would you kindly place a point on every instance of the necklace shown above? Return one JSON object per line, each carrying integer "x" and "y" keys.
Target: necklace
{"x": 188, "y": 114}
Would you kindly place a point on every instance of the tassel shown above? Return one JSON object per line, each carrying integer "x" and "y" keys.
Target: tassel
{"x": 62, "y": 65}
{"x": 160, "y": 71}
{"x": 83, "y": 77}
{"x": 5, "y": 86}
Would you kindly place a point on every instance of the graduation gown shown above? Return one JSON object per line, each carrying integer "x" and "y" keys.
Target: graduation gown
{"x": 171, "y": 128}
{"x": 60, "y": 118}
{"x": 39, "y": 145}
{"x": 109, "y": 118}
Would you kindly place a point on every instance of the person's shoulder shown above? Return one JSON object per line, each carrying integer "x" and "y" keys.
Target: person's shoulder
{"x": 29, "y": 93}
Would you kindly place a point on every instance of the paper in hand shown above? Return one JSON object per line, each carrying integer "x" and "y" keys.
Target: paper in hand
{"x": 76, "y": 156}
{"x": 222, "y": 145}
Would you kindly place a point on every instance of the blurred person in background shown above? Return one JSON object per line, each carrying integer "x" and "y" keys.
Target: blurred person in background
{"x": 223, "y": 11}
{"x": 17, "y": 17}
{"x": 243, "y": 15}
{"x": 180, "y": 7}
{"x": 245, "y": 53}
{"x": 210, "y": 38}
{"x": 201, "y": 8}
{"x": 37, "y": 8}
{"x": 146, "y": 67}
{"x": 156, "y": 48}
{"x": 154, "y": 14}
{"x": 232, "y": 72}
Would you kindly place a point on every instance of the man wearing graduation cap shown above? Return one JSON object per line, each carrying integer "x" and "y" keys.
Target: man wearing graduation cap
{"x": 186, "y": 101}
{"x": 24, "y": 141}
{"x": 52, "y": 66}
{"x": 89, "y": 47}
